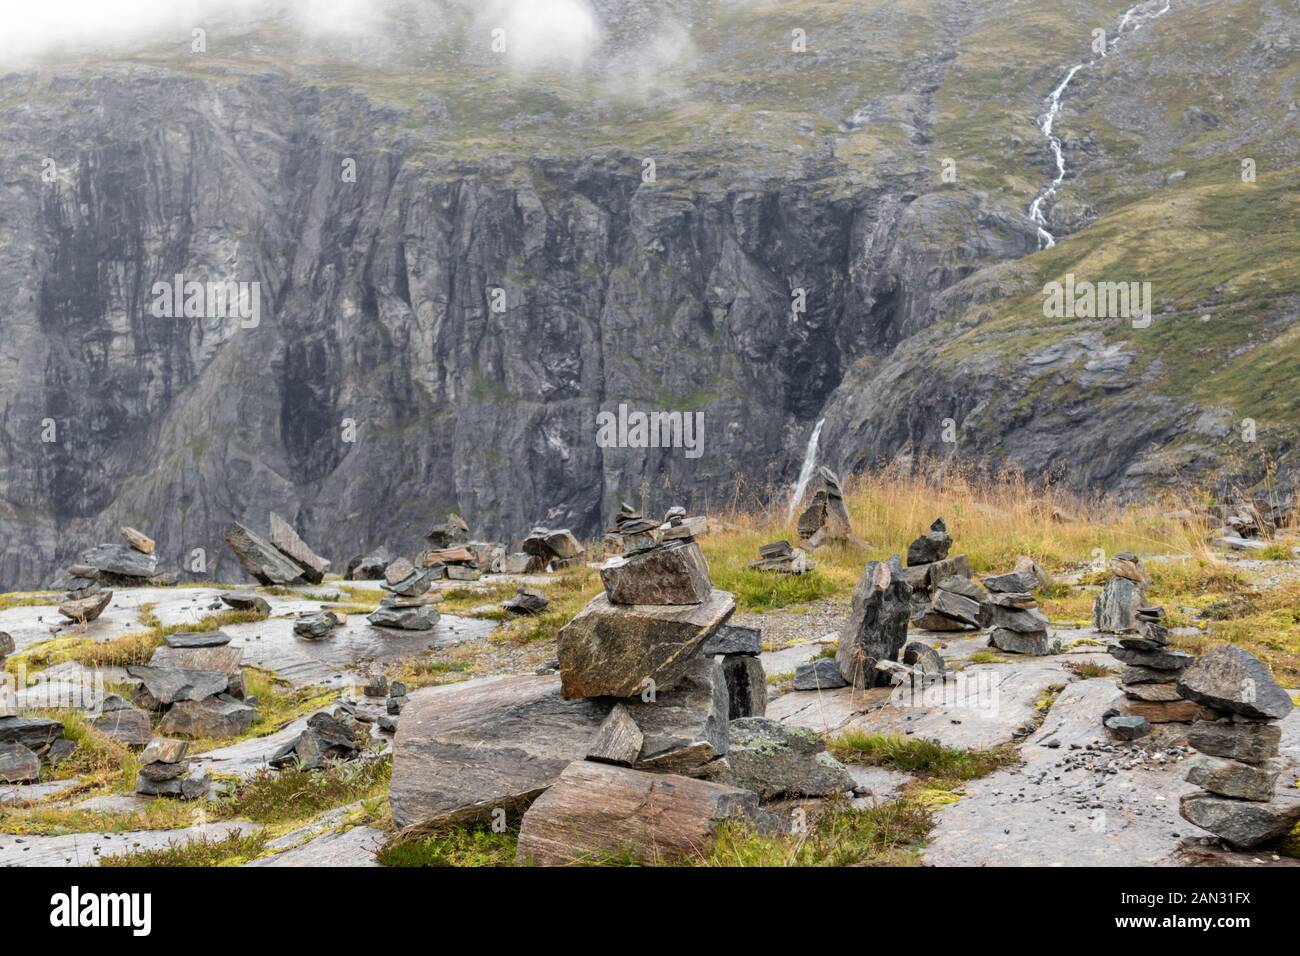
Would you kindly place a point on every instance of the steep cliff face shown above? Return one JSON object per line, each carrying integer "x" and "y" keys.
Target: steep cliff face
{"x": 457, "y": 269}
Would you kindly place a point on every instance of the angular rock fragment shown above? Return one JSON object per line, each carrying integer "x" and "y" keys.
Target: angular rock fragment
{"x": 619, "y": 650}
{"x": 418, "y": 618}
{"x": 778, "y": 761}
{"x": 1162, "y": 660}
{"x": 18, "y": 764}
{"x": 190, "y": 787}
{"x": 286, "y": 539}
{"x": 449, "y": 533}
{"x": 316, "y": 625}
{"x": 824, "y": 517}
{"x": 169, "y": 685}
{"x": 1243, "y": 823}
{"x": 1247, "y": 741}
{"x": 138, "y": 540}
{"x": 260, "y": 559}
{"x": 746, "y": 686}
{"x": 130, "y": 726}
{"x": 1229, "y": 778}
{"x": 1232, "y": 679}
{"x": 86, "y": 609}
{"x": 1128, "y": 727}
{"x": 163, "y": 750}
{"x": 734, "y": 639}
{"x": 618, "y": 740}
{"x": 673, "y": 573}
{"x": 684, "y": 728}
{"x": 821, "y": 674}
{"x": 597, "y": 812}
{"x": 246, "y": 601}
{"x": 931, "y": 546}
{"x": 923, "y": 658}
{"x": 526, "y": 601}
{"x": 220, "y": 716}
{"x": 877, "y": 626}
{"x": 1115, "y": 610}
{"x": 1035, "y": 643}
{"x": 34, "y": 733}
{"x": 370, "y": 567}
{"x": 118, "y": 559}
{"x": 192, "y": 639}
{"x": 1014, "y": 582}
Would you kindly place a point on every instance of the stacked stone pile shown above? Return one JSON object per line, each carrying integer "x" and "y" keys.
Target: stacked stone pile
{"x": 329, "y": 735}
{"x": 449, "y": 533}
{"x": 1150, "y": 682}
{"x": 197, "y": 685}
{"x": 460, "y": 563}
{"x": 824, "y": 517}
{"x": 1248, "y": 795}
{"x": 1115, "y": 609}
{"x": 409, "y": 604}
{"x": 165, "y": 771}
{"x": 944, "y": 598}
{"x": 284, "y": 558}
{"x": 781, "y": 558}
{"x": 1018, "y": 625}
{"x": 104, "y": 566}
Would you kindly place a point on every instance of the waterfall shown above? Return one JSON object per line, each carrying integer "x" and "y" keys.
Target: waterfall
{"x": 1131, "y": 18}
{"x": 809, "y": 466}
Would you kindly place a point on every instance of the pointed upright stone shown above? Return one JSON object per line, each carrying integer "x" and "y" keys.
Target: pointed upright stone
{"x": 877, "y": 626}
{"x": 314, "y": 567}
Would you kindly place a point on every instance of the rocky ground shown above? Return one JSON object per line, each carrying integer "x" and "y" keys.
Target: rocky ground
{"x": 1075, "y": 795}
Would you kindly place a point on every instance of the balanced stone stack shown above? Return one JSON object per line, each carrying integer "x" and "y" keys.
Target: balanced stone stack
{"x": 410, "y": 604}
{"x": 1019, "y": 627}
{"x": 329, "y": 735}
{"x": 196, "y": 684}
{"x": 283, "y": 559}
{"x": 634, "y": 531}
{"x": 780, "y": 557}
{"x": 825, "y": 518}
{"x": 929, "y": 565}
{"x": 165, "y": 771}
{"x": 558, "y": 549}
{"x": 85, "y": 604}
{"x": 114, "y": 565}
{"x": 1248, "y": 795}
{"x": 454, "y": 564}
{"x": 1150, "y": 683}
{"x": 1115, "y": 610}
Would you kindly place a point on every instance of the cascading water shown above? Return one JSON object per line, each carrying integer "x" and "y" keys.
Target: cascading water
{"x": 1130, "y": 22}
{"x": 808, "y": 467}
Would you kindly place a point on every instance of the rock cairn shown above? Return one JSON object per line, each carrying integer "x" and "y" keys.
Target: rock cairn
{"x": 824, "y": 518}
{"x": 1115, "y": 609}
{"x": 944, "y": 598}
{"x": 449, "y": 533}
{"x": 1149, "y": 678}
{"x": 780, "y": 557}
{"x": 165, "y": 771}
{"x": 1019, "y": 627}
{"x": 556, "y": 549}
{"x": 454, "y": 564}
{"x": 329, "y": 735}
{"x": 1245, "y": 524}
{"x": 1248, "y": 795}
{"x": 284, "y": 558}
{"x": 197, "y": 686}
{"x": 409, "y": 605}
{"x": 104, "y": 566}
{"x": 1149, "y": 682}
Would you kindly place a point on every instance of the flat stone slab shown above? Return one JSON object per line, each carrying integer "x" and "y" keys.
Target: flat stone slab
{"x": 13, "y": 794}
{"x": 355, "y": 847}
{"x": 85, "y": 849}
{"x": 788, "y": 658}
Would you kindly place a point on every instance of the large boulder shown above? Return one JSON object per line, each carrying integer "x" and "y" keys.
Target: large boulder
{"x": 260, "y": 559}
{"x": 313, "y": 566}
{"x": 597, "y": 813}
{"x": 672, "y": 573}
{"x": 775, "y": 760}
{"x": 119, "y": 560}
{"x": 877, "y": 626}
{"x": 824, "y": 517}
{"x": 820, "y": 674}
{"x": 620, "y": 650}
{"x": 461, "y": 753}
{"x": 1244, "y": 823}
{"x": 170, "y": 685}
{"x": 1232, "y": 679}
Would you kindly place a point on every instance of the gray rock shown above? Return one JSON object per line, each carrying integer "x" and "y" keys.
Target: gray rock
{"x": 7, "y": 646}
{"x": 1243, "y": 823}
{"x": 449, "y": 533}
{"x": 192, "y": 787}
{"x": 1153, "y": 693}
{"x": 464, "y": 751}
{"x": 685, "y": 727}
{"x": 1162, "y": 660}
{"x": 1035, "y": 643}
{"x": 734, "y": 639}
{"x": 746, "y": 686}
{"x": 118, "y": 559}
{"x": 618, "y": 740}
{"x": 821, "y": 674}
{"x": 1128, "y": 727}
{"x": 925, "y": 617}
{"x": 1231, "y": 778}
{"x": 877, "y": 626}
{"x": 420, "y": 618}
{"x": 86, "y": 609}
{"x": 776, "y": 761}
{"x": 673, "y": 573}
{"x": 246, "y": 601}
{"x": 131, "y": 726}
{"x": 526, "y": 601}
{"x": 18, "y": 764}
{"x": 388, "y": 725}
{"x": 1232, "y": 679}
{"x": 923, "y": 658}
{"x": 224, "y": 660}
{"x": 162, "y": 772}
{"x": 163, "y": 750}
{"x": 548, "y": 544}
{"x": 197, "y": 639}
{"x": 169, "y": 685}
{"x": 1115, "y": 609}
{"x": 960, "y": 584}
{"x": 221, "y": 716}
{"x": 286, "y": 540}
{"x": 1021, "y": 620}
{"x": 619, "y": 650}
{"x": 930, "y": 547}
{"x": 315, "y": 626}
{"x": 958, "y": 607}
{"x": 1013, "y": 582}
{"x": 370, "y": 567}
{"x": 34, "y": 733}
{"x": 1248, "y": 741}
{"x": 1147, "y": 675}
{"x": 260, "y": 559}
